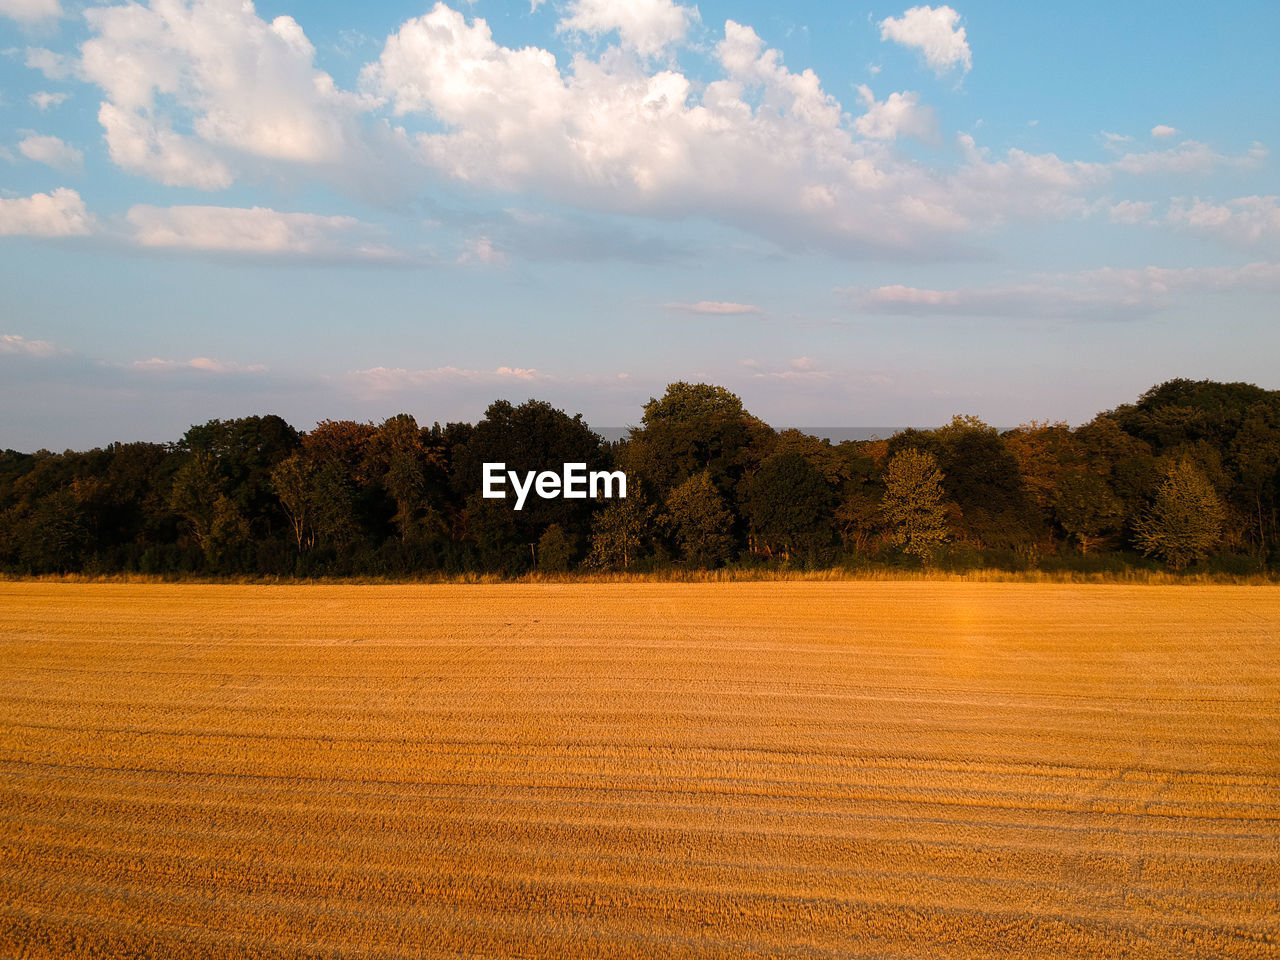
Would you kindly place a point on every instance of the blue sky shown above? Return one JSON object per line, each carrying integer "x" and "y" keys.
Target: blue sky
{"x": 848, "y": 214}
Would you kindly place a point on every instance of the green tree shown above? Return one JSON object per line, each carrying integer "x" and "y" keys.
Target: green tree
{"x": 701, "y": 521}
{"x": 245, "y": 450}
{"x": 981, "y": 475}
{"x": 533, "y": 436}
{"x": 294, "y": 482}
{"x": 1184, "y": 521}
{"x": 1255, "y": 456}
{"x": 411, "y": 473}
{"x": 1085, "y": 508}
{"x": 859, "y": 518}
{"x": 695, "y": 427}
{"x": 555, "y": 550}
{"x": 195, "y": 491}
{"x": 913, "y": 505}
{"x": 789, "y": 506}
{"x": 619, "y": 533}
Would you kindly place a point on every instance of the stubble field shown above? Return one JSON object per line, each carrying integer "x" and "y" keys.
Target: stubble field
{"x": 887, "y": 770}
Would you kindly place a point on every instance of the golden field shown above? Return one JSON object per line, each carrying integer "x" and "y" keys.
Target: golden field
{"x": 791, "y": 769}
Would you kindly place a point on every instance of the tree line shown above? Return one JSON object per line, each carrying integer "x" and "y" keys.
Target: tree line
{"x": 1185, "y": 477}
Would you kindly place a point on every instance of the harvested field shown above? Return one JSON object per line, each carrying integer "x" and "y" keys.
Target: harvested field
{"x": 880, "y": 769}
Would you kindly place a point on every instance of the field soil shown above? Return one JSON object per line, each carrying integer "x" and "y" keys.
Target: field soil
{"x": 737, "y": 770}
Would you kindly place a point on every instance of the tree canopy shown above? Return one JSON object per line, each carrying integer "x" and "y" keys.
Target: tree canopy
{"x": 1187, "y": 476}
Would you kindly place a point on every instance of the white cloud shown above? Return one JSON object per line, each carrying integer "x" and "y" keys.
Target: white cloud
{"x": 55, "y": 66}
{"x": 13, "y": 344}
{"x": 203, "y": 364}
{"x": 798, "y": 368}
{"x": 482, "y": 250}
{"x": 1160, "y": 130}
{"x": 151, "y": 148}
{"x": 1113, "y": 141}
{"x": 30, "y": 11}
{"x": 1130, "y": 212}
{"x": 250, "y": 88}
{"x": 716, "y": 307}
{"x": 1105, "y": 292}
{"x": 1244, "y": 221}
{"x": 52, "y": 152}
{"x": 646, "y": 26}
{"x": 60, "y": 213}
{"x": 257, "y": 230}
{"x": 1026, "y": 185}
{"x": 934, "y": 32}
{"x": 200, "y": 93}
{"x": 899, "y": 115}
{"x": 380, "y": 379}
{"x": 43, "y": 99}
{"x": 764, "y": 148}
{"x": 1190, "y": 156}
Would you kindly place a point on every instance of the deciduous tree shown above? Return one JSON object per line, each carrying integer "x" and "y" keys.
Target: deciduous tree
{"x": 913, "y": 505}
{"x": 1184, "y": 521}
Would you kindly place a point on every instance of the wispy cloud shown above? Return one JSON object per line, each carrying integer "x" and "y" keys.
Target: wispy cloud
{"x": 200, "y": 364}
{"x": 30, "y": 11}
{"x": 256, "y": 230}
{"x": 399, "y": 378}
{"x": 13, "y": 344}
{"x": 715, "y": 307}
{"x": 1190, "y": 156}
{"x": 1245, "y": 221}
{"x": 798, "y": 368}
{"x": 43, "y": 99}
{"x": 52, "y": 152}
{"x": 1105, "y": 292}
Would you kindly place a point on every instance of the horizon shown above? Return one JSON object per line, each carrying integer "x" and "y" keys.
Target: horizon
{"x": 862, "y": 214}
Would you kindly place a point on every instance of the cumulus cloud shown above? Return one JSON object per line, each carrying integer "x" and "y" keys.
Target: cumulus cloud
{"x": 255, "y": 230}
{"x": 1105, "y": 292}
{"x": 52, "y": 152}
{"x": 12, "y": 344}
{"x": 151, "y": 148}
{"x": 1160, "y": 130}
{"x": 60, "y": 213}
{"x": 1022, "y": 184}
{"x": 764, "y": 148}
{"x": 934, "y": 31}
{"x": 200, "y": 93}
{"x": 645, "y": 26}
{"x": 30, "y": 11}
{"x": 1244, "y": 221}
{"x": 202, "y": 364}
{"x": 250, "y": 88}
{"x": 43, "y": 99}
{"x": 716, "y": 307}
{"x": 900, "y": 115}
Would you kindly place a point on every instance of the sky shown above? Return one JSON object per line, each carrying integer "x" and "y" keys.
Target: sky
{"x": 848, "y": 214}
